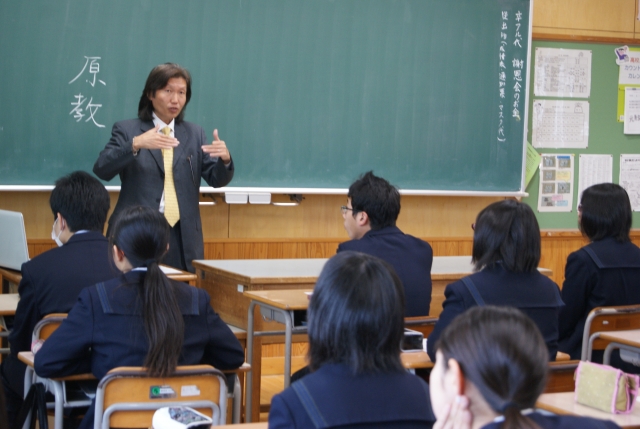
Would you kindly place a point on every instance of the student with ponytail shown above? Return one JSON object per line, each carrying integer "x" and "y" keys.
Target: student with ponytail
{"x": 491, "y": 368}
{"x": 141, "y": 318}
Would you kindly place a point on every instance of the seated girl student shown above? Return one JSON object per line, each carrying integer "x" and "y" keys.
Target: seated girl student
{"x": 140, "y": 318}
{"x": 491, "y": 368}
{"x": 506, "y": 252}
{"x": 356, "y": 322}
{"x": 605, "y": 272}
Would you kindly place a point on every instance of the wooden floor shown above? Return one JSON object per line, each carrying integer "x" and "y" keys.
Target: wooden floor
{"x": 271, "y": 385}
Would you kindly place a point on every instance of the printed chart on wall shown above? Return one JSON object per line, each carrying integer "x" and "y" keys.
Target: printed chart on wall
{"x": 556, "y": 183}
{"x": 593, "y": 170}
{"x": 630, "y": 178}
{"x": 561, "y": 73}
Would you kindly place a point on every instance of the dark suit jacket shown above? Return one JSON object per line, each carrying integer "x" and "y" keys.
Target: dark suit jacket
{"x": 563, "y": 422}
{"x": 536, "y": 295}
{"x": 105, "y": 330}
{"x": 51, "y": 283}
{"x": 142, "y": 176}
{"x": 398, "y": 400}
{"x": 587, "y": 286}
{"x": 409, "y": 256}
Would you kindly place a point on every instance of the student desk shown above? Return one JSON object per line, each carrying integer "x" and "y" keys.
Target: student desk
{"x": 283, "y": 306}
{"x": 626, "y": 340}
{"x": 8, "y": 305}
{"x": 564, "y": 403}
{"x": 13, "y": 277}
{"x": 8, "y": 277}
{"x": 227, "y": 280}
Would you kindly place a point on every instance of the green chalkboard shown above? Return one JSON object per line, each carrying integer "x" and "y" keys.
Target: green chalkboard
{"x": 306, "y": 93}
{"x": 605, "y": 132}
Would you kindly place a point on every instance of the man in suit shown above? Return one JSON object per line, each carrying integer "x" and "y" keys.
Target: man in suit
{"x": 52, "y": 281}
{"x": 373, "y": 206}
{"x": 139, "y": 149}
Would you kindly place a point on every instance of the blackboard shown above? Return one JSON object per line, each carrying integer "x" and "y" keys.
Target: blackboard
{"x": 605, "y": 132}
{"x": 306, "y": 93}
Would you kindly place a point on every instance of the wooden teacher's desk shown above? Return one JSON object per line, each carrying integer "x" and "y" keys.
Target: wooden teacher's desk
{"x": 226, "y": 280}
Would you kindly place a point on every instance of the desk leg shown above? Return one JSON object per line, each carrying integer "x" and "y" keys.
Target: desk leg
{"x": 288, "y": 333}
{"x": 254, "y": 357}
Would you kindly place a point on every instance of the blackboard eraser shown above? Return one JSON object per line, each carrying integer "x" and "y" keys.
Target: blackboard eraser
{"x": 260, "y": 198}
{"x": 236, "y": 197}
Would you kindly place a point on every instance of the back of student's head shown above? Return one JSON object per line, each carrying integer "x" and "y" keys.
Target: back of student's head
{"x": 376, "y": 197}
{"x": 605, "y": 212}
{"x": 356, "y": 315}
{"x": 142, "y": 234}
{"x": 507, "y": 232}
{"x": 502, "y": 353}
{"x": 82, "y": 200}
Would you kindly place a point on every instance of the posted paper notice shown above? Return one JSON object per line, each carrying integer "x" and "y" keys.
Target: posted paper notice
{"x": 560, "y": 124}
{"x": 594, "y": 169}
{"x": 556, "y": 183}
{"x": 630, "y": 178}
{"x": 562, "y": 73}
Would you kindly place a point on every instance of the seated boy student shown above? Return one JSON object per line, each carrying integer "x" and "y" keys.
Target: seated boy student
{"x": 52, "y": 281}
{"x": 373, "y": 206}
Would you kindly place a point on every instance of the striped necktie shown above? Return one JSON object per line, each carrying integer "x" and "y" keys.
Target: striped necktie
{"x": 171, "y": 209}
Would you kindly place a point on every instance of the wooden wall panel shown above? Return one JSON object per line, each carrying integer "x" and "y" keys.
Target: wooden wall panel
{"x": 556, "y": 247}
{"x": 610, "y": 18}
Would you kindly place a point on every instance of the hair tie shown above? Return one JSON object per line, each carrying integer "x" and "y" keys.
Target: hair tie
{"x": 148, "y": 262}
{"x": 508, "y": 405}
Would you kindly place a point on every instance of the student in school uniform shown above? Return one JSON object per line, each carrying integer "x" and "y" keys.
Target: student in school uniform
{"x": 490, "y": 371}
{"x": 606, "y": 271}
{"x": 141, "y": 318}
{"x": 373, "y": 206}
{"x": 52, "y": 281}
{"x": 506, "y": 253}
{"x": 356, "y": 323}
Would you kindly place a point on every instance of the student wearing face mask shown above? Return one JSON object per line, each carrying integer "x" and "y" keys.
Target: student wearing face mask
{"x": 52, "y": 281}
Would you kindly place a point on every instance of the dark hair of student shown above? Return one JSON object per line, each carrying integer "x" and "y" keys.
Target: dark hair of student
{"x": 507, "y": 232}
{"x": 82, "y": 200}
{"x": 377, "y": 198}
{"x": 356, "y": 315}
{"x": 606, "y": 212}
{"x": 501, "y": 351}
{"x": 142, "y": 234}
{"x": 158, "y": 79}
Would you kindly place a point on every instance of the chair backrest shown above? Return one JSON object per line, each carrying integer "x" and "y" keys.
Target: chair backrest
{"x": 127, "y": 396}
{"x": 45, "y": 327}
{"x": 602, "y": 319}
{"x": 423, "y": 324}
{"x": 560, "y": 376}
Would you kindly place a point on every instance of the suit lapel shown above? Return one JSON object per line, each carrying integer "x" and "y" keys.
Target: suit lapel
{"x": 180, "y": 133}
{"x": 155, "y": 153}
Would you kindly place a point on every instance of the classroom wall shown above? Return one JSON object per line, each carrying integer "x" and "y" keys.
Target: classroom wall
{"x": 315, "y": 227}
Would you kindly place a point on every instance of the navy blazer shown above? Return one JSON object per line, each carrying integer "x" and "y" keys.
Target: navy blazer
{"x": 142, "y": 176}
{"x": 104, "y": 330}
{"x": 614, "y": 280}
{"x": 409, "y": 256}
{"x": 533, "y": 293}
{"x": 562, "y": 422}
{"x": 51, "y": 283}
{"x": 399, "y": 400}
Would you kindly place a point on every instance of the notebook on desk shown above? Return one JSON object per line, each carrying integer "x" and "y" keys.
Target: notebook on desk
{"x": 13, "y": 240}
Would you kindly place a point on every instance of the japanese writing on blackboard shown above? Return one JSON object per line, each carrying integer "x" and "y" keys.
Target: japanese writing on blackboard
{"x": 510, "y": 70}
{"x": 83, "y": 105}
